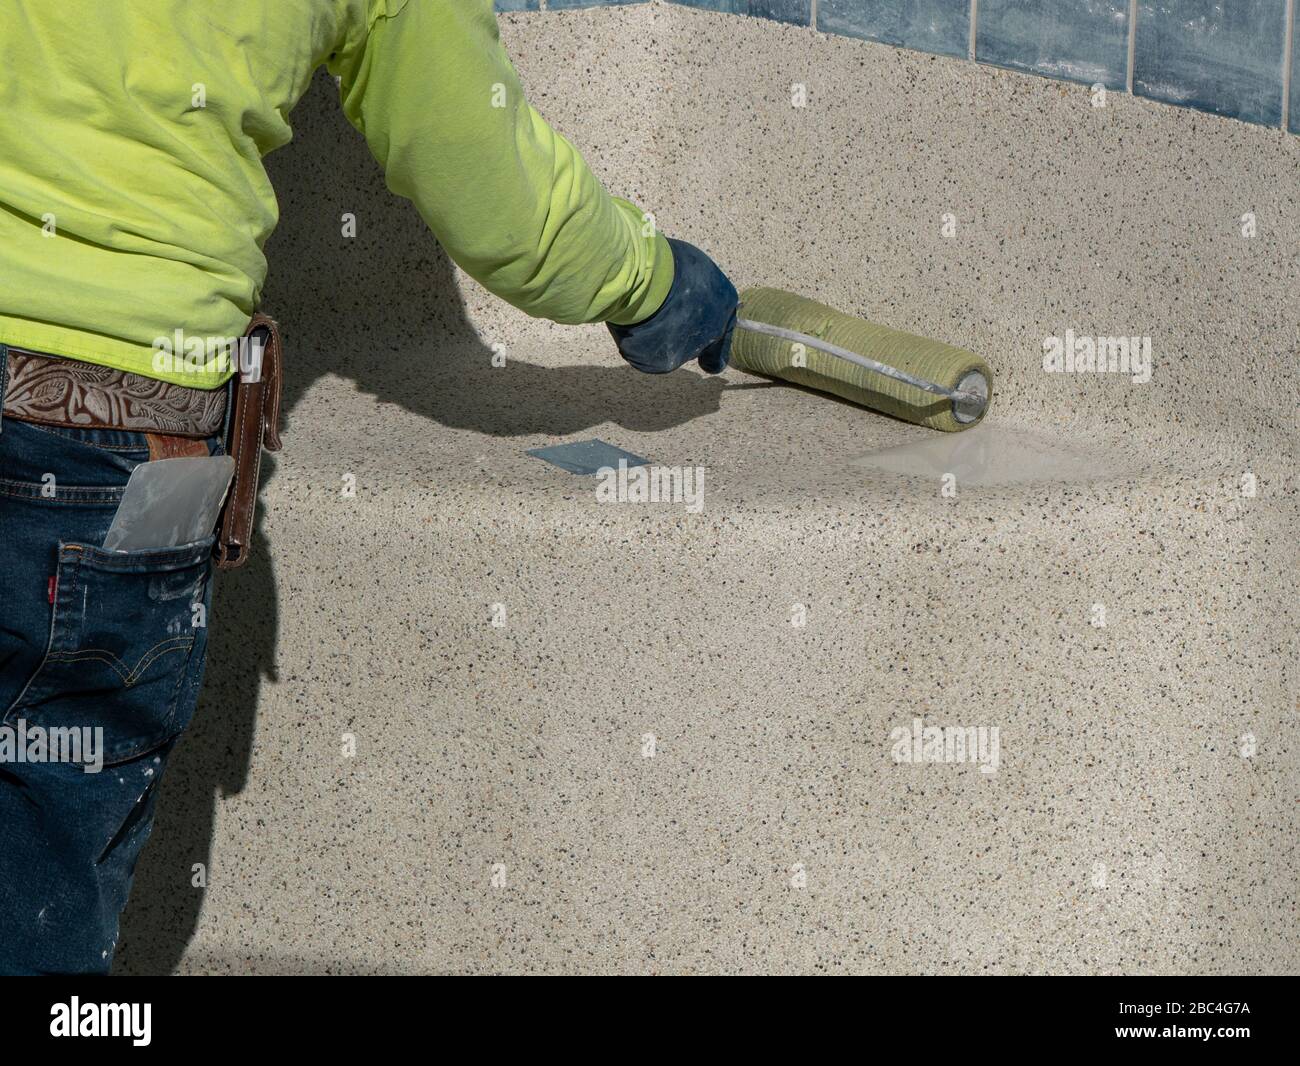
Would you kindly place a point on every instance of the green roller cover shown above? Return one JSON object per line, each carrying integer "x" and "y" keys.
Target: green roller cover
{"x": 931, "y": 360}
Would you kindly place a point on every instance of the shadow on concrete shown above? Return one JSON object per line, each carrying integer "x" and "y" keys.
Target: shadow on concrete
{"x": 380, "y": 309}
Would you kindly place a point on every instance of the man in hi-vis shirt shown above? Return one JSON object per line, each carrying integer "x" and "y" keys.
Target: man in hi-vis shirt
{"x": 133, "y": 208}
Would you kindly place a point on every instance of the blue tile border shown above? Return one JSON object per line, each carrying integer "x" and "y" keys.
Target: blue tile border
{"x": 1293, "y": 118}
{"x": 938, "y": 26}
{"x": 1073, "y": 40}
{"x": 1226, "y": 57}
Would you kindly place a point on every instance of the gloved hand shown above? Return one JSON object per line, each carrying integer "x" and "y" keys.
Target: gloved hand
{"x": 695, "y": 320}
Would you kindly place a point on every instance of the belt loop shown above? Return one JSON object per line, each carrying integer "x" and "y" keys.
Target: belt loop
{"x": 4, "y": 381}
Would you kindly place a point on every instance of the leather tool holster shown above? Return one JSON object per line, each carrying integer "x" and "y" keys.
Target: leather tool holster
{"x": 253, "y": 424}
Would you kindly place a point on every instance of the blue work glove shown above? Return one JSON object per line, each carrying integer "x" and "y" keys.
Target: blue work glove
{"x": 695, "y": 320}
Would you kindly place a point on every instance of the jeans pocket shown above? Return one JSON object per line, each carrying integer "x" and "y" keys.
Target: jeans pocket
{"x": 128, "y": 634}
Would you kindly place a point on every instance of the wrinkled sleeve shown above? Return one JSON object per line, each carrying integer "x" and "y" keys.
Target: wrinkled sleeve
{"x": 432, "y": 90}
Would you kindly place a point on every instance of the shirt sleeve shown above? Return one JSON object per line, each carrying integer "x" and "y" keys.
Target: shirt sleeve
{"x": 432, "y": 90}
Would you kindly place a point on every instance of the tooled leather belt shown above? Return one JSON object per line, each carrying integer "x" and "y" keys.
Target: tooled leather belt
{"x": 54, "y": 391}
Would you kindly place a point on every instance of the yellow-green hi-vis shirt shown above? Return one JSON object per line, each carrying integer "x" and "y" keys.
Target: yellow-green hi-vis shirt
{"x": 134, "y": 204}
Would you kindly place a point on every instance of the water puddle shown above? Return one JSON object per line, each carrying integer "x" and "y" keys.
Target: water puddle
{"x": 996, "y": 455}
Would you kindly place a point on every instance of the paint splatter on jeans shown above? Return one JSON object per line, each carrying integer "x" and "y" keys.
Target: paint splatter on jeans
{"x": 101, "y": 660}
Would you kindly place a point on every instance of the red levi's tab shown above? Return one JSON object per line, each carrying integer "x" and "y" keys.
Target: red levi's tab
{"x": 49, "y": 587}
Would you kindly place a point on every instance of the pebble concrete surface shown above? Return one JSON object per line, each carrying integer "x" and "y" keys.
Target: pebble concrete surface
{"x": 933, "y": 712}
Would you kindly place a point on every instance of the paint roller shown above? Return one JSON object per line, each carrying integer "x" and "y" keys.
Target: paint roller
{"x": 782, "y": 335}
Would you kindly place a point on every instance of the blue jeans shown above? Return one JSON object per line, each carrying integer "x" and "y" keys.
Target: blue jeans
{"x": 103, "y": 652}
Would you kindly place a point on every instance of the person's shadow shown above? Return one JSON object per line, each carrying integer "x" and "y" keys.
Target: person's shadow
{"x": 381, "y": 309}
